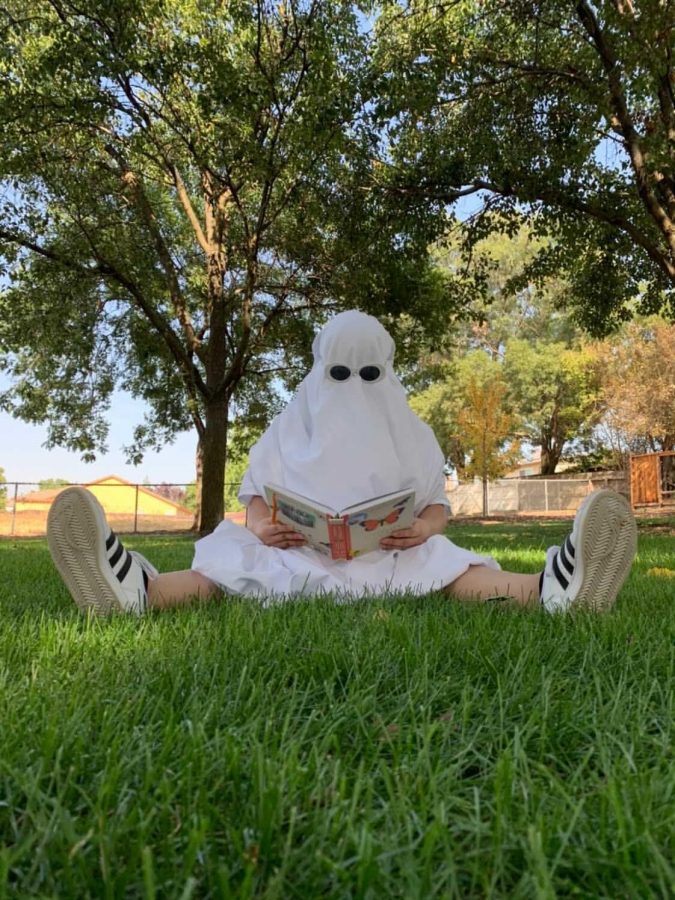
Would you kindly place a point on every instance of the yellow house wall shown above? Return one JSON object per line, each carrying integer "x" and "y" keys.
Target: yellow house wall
{"x": 27, "y": 506}
{"x": 116, "y": 498}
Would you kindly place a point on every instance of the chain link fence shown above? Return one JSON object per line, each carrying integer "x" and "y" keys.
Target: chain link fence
{"x": 135, "y": 508}
{"x": 152, "y": 508}
{"x": 533, "y": 496}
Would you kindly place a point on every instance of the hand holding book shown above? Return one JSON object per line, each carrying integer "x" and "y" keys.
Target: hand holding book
{"x": 420, "y": 531}
{"x": 432, "y": 520}
{"x": 349, "y": 532}
{"x": 271, "y": 533}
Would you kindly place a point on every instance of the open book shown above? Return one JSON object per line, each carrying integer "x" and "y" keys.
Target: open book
{"x": 345, "y": 533}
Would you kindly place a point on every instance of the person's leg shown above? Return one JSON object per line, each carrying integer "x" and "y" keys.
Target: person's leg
{"x": 587, "y": 570}
{"x": 590, "y": 567}
{"x": 484, "y": 583}
{"x": 100, "y": 573}
{"x": 175, "y": 588}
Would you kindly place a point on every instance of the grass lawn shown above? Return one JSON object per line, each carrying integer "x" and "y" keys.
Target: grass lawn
{"x": 409, "y": 748}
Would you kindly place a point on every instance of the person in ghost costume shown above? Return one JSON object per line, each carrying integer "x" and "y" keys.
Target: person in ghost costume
{"x": 347, "y": 435}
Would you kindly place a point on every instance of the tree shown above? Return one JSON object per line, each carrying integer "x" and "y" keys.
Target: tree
{"x": 173, "y": 492}
{"x": 3, "y": 490}
{"x": 166, "y": 238}
{"x": 172, "y": 217}
{"x": 487, "y": 426}
{"x": 563, "y": 113}
{"x": 49, "y": 483}
{"x": 470, "y": 417}
{"x": 638, "y": 386}
{"x": 554, "y": 390}
{"x": 511, "y": 305}
{"x": 551, "y": 388}
{"x": 439, "y": 405}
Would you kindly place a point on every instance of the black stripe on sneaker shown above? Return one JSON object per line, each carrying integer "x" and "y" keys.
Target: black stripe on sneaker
{"x": 111, "y": 540}
{"x": 114, "y": 559}
{"x": 568, "y": 563}
{"x": 145, "y": 580}
{"x": 569, "y": 546}
{"x": 121, "y": 575}
{"x": 558, "y": 574}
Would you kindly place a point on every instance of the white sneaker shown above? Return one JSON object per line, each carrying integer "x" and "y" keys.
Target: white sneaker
{"x": 100, "y": 574}
{"x": 590, "y": 567}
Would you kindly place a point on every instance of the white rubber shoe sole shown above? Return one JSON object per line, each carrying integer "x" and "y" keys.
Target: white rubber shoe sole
{"x": 605, "y": 541}
{"x": 76, "y": 534}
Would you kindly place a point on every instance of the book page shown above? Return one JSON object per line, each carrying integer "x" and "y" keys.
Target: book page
{"x": 377, "y": 503}
{"x": 299, "y": 499}
{"x": 368, "y": 522}
{"x": 368, "y": 527}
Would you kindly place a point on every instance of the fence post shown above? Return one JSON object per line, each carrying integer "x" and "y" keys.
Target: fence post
{"x": 16, "y": 491}
{"x": 136, "y": 511}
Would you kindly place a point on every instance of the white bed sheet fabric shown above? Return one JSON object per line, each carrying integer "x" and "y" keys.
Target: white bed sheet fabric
{"x": 343, "y": 443}
{"x": 340, "y": 443}
{"x": 236, "y": 559}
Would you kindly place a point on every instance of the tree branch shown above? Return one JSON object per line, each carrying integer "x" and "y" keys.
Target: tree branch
{"x": 563, "y": 201}
{"x": 104, "y": 268}
{"x": 184, "y": 198}
{"x": 666, "y": 225}
{"x": 133, "y": 184}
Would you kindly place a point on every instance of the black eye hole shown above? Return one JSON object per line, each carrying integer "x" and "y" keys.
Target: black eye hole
{"x": 339, "y": 373}
{"x": 370, "y": 373}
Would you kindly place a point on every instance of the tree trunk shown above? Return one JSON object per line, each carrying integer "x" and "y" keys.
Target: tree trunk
{"x": 213, "y": 440}
{"x": 211, "y": 501}
{"x": 199, "y": 481}
{"x": 485, "y": 475}
{"x": 550, "y": 457}
{"x": 551, "y": 445}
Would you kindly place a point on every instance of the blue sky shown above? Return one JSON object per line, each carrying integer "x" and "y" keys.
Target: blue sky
{"x": 24, "y": 458}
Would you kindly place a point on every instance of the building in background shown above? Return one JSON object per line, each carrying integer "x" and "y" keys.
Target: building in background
{"x": 116, "y": 495}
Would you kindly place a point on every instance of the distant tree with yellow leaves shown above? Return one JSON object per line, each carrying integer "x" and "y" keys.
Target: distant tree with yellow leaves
{"x": 487, "y": 425}
{"x": 469, "y": 412}
{"x": 637, "y": 370}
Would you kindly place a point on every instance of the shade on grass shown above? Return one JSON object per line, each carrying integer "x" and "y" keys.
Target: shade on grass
{"x": 394, "y": 748}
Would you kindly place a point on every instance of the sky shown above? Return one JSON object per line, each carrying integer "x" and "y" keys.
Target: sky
{"x": 24, "y": 457}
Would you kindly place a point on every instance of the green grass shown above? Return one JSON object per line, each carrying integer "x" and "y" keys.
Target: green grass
{"x": 409, "y": 748}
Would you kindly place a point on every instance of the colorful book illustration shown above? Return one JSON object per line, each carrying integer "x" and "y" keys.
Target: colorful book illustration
{"x": 345, "y": 533}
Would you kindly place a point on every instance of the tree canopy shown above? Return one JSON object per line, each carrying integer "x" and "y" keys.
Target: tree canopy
{"x": 563, "y": 113}
{"x": 638, "y": 386}
{"x": 469, "y": 412}
{"x": 178, "y": 212}
{"x": 47, "y": 484}
{"x": 554, "y": 389}
{"x": 549, "y": 375}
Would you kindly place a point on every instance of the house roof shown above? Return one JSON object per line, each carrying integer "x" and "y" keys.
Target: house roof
{"x": 47, "y": 497}
{"x": 141, "y": 490}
